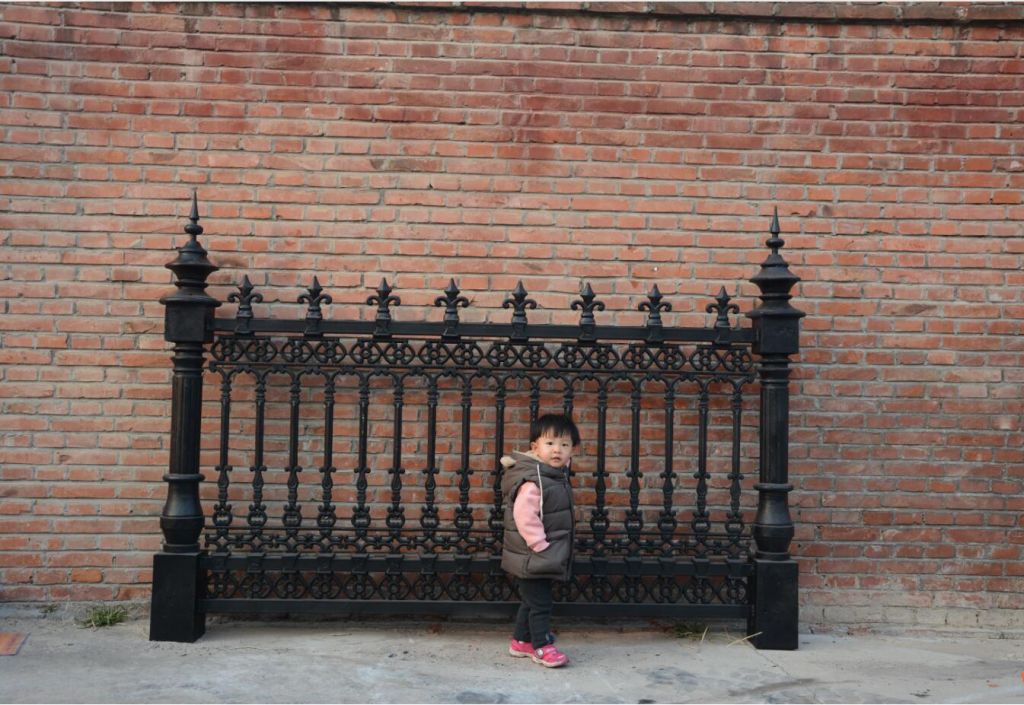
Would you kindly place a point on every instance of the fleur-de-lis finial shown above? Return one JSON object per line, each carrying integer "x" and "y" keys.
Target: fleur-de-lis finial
{"x": 587, "y": 305}
{"x": 245, "y": 297}
{"x": 314, "y": 316}
{"x": 383, "y": 300}
{"x": 654, "y": 306}
{"x": 451, "y": 301}
{"x": 519, "y": 303}
{"x": 723, "y": 308}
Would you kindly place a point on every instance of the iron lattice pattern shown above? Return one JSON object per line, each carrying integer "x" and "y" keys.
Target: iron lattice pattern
{"x": 385, "y": 448}
{"x": 595, "y": 588}
{"x": 332, "y": 355}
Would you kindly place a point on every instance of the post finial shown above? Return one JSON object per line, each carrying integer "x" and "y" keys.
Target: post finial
{"x": 775, "y": 242}
{"x": 194, "y": 229}
{"x": 776, "y": 322}
{"x": 189, "y": 311}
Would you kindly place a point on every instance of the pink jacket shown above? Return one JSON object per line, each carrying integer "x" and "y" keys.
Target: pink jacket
{"x": 526, "y": 513}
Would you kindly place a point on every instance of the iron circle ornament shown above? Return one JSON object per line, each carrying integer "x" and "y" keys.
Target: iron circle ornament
{"x": 260, "y": 350}
{"x": 398, "y": 353}
{"x": 467, "y": 354}
{"x": 366, "y": 352}
{"x": 329, "y": 352}
{"x": 297, "y": 350}
{"x": 501, "y": 355}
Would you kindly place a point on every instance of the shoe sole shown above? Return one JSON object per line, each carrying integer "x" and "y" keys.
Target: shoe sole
{"x": 545, "y": 664}
{"x": 517, "y": 654}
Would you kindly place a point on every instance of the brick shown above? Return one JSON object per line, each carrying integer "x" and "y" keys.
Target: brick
{"x": 550, "y": 148}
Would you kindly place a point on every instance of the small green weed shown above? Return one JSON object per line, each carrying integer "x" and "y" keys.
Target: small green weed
{"x": 690, "y": 631}
{"x": 104, "y": 617}
{"x": 48, "y": 608}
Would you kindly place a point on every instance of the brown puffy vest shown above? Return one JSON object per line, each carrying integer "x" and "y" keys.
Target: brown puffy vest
{"x": 517, "y": 558}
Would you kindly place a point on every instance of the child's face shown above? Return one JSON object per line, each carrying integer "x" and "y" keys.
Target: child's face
{"x": 553, "y": 450}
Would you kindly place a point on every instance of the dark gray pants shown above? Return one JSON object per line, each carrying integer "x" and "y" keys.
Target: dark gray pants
{"x": 533, "y": 621}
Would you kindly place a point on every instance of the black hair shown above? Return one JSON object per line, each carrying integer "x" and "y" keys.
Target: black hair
{"x": 556, "y": 425}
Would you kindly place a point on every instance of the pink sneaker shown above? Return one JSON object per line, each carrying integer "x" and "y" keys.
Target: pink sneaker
{"x": 520, "y": 649}
{"x": 549, "y": 657}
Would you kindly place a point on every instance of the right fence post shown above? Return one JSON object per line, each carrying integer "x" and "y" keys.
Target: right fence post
{"x": 774, "y": 610}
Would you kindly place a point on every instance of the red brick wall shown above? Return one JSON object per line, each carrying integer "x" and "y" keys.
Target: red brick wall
{"x": 553, "y": 146}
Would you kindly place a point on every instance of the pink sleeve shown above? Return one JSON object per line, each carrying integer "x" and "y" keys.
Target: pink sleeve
{"x": 526, "y": 513}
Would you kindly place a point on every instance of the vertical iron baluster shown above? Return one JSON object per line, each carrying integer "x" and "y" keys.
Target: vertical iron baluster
{"x": 496, "y": 521}
{"x": 568, "y": 397}
{"x": 634, "y": 519}
{"x": 257, "y": 518}
{"x": 599, "y": 514}
{"x": 464, "y": 515}
{"x": 396, "y": 512}
{"x": 667, "y": 522}
{"x": 292, "y": 517}
{"x": 701, "y": 523}
{"x": 326, "y": 516}
{"x": 567, "y": 408}
{"x": 222, "y": 510}
{"x": 534, "y": 399}
{"x": 429, "y": 518}
{"x": 734, "y": 521}
{"x": 361, "y": 515}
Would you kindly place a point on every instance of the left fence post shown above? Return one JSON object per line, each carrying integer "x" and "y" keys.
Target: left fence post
{"x": 178, "y": 580}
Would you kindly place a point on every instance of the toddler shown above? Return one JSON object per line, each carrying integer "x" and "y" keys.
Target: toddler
{"x": 539, "y": 531}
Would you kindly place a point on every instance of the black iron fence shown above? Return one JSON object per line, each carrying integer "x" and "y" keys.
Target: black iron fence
{"x": 358, "y": 467}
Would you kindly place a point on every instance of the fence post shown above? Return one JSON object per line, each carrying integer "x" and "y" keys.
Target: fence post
{"x": 774, "y": 611}
{"x": 178, "y": 581}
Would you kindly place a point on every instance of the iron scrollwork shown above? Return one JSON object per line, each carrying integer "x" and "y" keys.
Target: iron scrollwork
{"x": 449, "y": 550}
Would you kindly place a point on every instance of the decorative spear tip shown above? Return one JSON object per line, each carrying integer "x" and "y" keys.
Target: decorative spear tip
{"x": 655, "y": 292}
{"x": 587, "y": 291}
{"x": 452, "y": 288}
{"x": 520, "y": 290}
{"x": 245, "y": 281}
{"x": 775, "y": 242}
{"x": 194, "y": 229}
{"x": 722, "y": 294}
{"x": 383, "y": 285}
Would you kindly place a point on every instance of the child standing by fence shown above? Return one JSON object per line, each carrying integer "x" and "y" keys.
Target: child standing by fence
{"x": 539, "y": 531}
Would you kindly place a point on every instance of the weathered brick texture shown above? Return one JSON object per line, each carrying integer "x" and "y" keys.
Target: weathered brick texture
{"x": 624, "y": 147}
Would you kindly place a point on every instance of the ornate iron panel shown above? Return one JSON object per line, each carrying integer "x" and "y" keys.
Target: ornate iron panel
{"x": 376, "y": 544}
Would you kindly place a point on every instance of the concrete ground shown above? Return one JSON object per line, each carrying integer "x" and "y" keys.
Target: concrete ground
{"x": 422, "y": 661}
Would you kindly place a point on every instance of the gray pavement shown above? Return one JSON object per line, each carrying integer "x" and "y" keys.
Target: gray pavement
{"x": 422, "y": 661}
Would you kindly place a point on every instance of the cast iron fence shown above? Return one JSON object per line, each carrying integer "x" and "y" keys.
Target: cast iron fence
{"x": 413, "y": 521}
